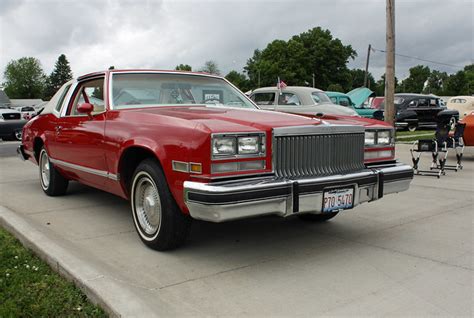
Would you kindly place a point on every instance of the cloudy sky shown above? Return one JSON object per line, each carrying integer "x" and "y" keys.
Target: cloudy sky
{"x": 95, "y": 34}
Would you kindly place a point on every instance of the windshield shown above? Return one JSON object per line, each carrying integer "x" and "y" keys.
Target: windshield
{"x": 320, "y": 98}
{"x": 134, "y": 90}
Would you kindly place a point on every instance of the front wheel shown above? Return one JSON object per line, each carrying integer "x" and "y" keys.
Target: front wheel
{"x": 52, "y": 182}
{"x": 158, "y": 220}
{"x": 317, "y": 217}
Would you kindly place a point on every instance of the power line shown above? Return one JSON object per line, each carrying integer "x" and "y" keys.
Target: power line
{"x": 419, "y": 59}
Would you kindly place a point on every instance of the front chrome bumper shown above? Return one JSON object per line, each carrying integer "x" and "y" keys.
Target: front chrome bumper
{"x": 230, "y": 200}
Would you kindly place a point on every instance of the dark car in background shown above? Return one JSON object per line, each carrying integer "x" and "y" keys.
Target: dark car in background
{"x": 414, "y": 111}
{"x": 11, "y": 123}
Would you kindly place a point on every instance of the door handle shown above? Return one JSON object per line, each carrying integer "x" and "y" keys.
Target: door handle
{"x": 58, "y": 128}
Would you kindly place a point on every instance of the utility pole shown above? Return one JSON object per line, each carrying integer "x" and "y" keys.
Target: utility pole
{"x": 259, "y": 78}
{"x": 313, "y": 80}
{"x": 390, "y": 63}
{"x": 366, "y": 83}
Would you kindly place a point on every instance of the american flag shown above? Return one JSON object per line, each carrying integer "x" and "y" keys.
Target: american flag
{"x": 280, "y": 84}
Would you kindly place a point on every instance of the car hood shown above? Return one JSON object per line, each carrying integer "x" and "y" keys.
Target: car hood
{"x": 359, "y": 121}
{"x": 334, "y": 109}
{"x": 229, "y": 119}
{"x": 360, "y": 95}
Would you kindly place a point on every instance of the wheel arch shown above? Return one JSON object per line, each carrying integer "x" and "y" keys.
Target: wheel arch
{"x": 129, "y": 159}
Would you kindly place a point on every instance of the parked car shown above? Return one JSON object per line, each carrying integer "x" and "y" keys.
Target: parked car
{"x": 27, "y": 112}
{"x": 298, "y": 100}
{"x": 468, "y": 136}
{"x": 183, "y": 146}
{"x": 11, "y": 124}
{"x": 463, "y": 104}
{"x": 419, "y": 111}
{"x": 356, "y": 99}
{"x": 377, "y": 102}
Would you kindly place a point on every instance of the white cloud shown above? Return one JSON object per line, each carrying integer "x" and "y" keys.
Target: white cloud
{"x": 162, "y": 34}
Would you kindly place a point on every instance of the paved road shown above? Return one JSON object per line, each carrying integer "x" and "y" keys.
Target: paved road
{"x": 408, "y": 254}
{"x": 8, "y": 148}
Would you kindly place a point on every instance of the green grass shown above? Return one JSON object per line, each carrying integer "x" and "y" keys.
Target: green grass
{"x": 30, "y": 288}
{"x": 409, "y": 136}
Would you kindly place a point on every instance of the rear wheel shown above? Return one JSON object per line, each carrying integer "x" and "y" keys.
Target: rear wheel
{"x": 52, "y": 182}
{"x": 318, "y": 217}
{"x": 158, "y": 220}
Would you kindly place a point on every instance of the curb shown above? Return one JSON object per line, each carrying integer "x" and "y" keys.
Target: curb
{"x": 117, "y": 300}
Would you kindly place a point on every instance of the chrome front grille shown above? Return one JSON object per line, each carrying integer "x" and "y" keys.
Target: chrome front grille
{"x": 318, "y": 153}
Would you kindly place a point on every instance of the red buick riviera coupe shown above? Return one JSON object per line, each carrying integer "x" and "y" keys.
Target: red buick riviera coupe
{"x": 187, "y": 145}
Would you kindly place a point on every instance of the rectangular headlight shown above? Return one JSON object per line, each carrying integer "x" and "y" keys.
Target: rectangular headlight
{"x": 235, "y": 145}
{"x": 249, "y": 145}
{"x": 224, "y": 146}
{"x": 370, "y": 138}
{"x": 383, "y": 137}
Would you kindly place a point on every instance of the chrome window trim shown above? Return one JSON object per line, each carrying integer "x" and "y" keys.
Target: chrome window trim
{"x": 100, "y": 173}
{"x": 62, "y": 99}
{"x": 113, "y": 73}
{"x": 73, "y": 88}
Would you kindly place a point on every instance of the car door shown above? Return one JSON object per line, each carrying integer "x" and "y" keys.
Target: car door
{"x": 78, "y": 143}
{"x": 264, "y": 100}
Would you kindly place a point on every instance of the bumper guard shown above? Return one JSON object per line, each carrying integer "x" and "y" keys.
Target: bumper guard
{"x": 230, "y": 200}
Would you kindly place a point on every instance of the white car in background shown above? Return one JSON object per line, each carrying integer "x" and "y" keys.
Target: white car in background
{"x": 463, "y": 104}
{"x": 27, "y": 112}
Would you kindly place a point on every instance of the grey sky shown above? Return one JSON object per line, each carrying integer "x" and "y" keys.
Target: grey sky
{"x": 161, "y": 34}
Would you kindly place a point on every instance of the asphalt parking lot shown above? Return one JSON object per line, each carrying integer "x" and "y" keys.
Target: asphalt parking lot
{"x": 407, "y": 254}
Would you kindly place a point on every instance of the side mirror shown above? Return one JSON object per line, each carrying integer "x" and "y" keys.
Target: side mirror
{"x": 86, "y": 108}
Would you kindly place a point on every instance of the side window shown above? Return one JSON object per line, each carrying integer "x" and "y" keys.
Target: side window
{"x": 61, "y": 99}
{"x": 434, "y": 102}
{"x": 422, "y": 102}
{"x": 344, "y": 101}
{"x": 333, "y": 99}
{"x": 412, "y": 103}
{"x": 264, "y": 98}
{"x": 89, "y": 92}
{"x": 288, "y": 99}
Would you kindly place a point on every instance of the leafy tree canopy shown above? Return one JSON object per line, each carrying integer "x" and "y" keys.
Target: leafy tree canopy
{"x": 416, "y": 81}
{"x": 296, "y": 60}
{"x": 24, "y": 78}
{"x": 183, "y": 67}
{"x": 61, "y": 74}
{"x": 239, "y": 80}
{"x": 211, "y": 68}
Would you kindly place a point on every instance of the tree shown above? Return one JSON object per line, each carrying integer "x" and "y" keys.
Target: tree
{"x": 435, "y": 83}
{"x": 24, "y": 78}
{"x": 456, "y": 84}
{"x": 358, "y": 76}
{"x": 211, "y": 68}
{"x": 335, "y": 88}
{"x": 296, "y": 60}
{"x": 61, "y": 74}
{"x": 379, "y": 87}
{"x": 183, "y": 67}
{"x": 416, "y": 81}
{"x": 239, "y": 80}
